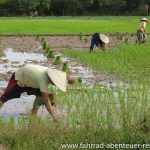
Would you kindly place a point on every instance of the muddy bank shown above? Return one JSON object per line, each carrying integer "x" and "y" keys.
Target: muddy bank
{"x": 29, "y": 43}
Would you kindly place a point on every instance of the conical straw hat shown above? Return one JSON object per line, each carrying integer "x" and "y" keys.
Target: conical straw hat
{"x": 104, "y": 38}
{"x": 144, "y": 19}
{"x": 59, "y": 78}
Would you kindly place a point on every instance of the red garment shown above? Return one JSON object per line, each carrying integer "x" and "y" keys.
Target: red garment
{"x": 11, "y": 83}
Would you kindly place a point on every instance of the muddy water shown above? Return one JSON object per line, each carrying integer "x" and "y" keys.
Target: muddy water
{"x": 10, "y": 62}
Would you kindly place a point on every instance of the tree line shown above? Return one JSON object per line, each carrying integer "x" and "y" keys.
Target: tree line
{"x": 73, "y": 7}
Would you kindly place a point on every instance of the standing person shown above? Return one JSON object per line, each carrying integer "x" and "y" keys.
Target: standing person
{"x": 35, "y": 80}
{"x": 141, "y": 32}
{"x": 99, "y": 40}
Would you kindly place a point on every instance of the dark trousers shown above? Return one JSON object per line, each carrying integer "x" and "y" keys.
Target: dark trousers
{"x": 13, "y": 90}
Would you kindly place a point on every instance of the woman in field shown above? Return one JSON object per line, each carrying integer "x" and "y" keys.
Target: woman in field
{"x": 35, "y": 80}
{"x": 141, "y": 32}
{"x": 99, "y": 40}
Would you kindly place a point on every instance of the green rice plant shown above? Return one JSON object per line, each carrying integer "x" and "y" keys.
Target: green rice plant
{"x": 79, "y": 80}
{"x": 50, "y": 53}
{"x": 98, "y": 114}
{"x": 126, "y": 61}
{"x": 65, "y": 67}
{"x": 45, "y": 45}
{"x": 126, "y": 40}
{"x": 72, "y": 25}
{"x": 57, "y": 60}
{"x": 80, "y": 36}
{"x": 42, "y": 40}
{"x": 86, "y": 40}
{"x": 38, "y": 37}
{"x": 132, "y": 34}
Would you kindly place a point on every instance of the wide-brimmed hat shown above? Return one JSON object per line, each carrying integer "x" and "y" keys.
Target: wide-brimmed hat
{"x": 144, "y": 19}
{"x": 104, "y": 38}
{"x": 59, "y": 78}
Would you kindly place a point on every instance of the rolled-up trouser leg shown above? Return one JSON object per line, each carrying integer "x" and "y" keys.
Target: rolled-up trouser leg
{"x": 140, "y": 36}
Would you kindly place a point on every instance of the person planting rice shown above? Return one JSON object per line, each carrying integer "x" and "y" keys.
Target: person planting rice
{"x": 141, "y": 32}
{"x": 99, "y": 40}
{"x": 35, "y": 80}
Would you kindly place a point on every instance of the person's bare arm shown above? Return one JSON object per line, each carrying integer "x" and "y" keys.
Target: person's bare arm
{"x": 143, "y": 25}
{"x": 48, "y": 105}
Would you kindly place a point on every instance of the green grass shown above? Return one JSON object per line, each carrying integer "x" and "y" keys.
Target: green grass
{"x": 93, "y": 116}
{"x": 72, "y": 25}
{"x": 129, "y": 61}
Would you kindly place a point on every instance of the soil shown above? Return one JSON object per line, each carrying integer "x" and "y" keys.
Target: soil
{"x": 29, "y": 43}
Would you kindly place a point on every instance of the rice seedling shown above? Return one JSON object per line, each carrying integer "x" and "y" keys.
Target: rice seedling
{"x": 126, "y": 40}
{"x": 86, "y": 40}
{"x": 132, "y": 34}
{"x": 80, "y": 35}
{"x": 102, "y": 112}
{"x": 126, "y": 61}
{"x": 42, "y": 40}
{"x": 38, "y": 37}
{"x": 65, "y": 67}
{"x": 50, "y": 53}
{"x": 57, "y": 60}
{"x": 45, "y": 45}
{"x": 79, "y": 80}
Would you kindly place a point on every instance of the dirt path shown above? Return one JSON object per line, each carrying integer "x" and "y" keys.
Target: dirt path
{"x": 29, "y": 43}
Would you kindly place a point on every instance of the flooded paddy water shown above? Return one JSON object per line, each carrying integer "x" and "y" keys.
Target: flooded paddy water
{"x": 18, "y": 51}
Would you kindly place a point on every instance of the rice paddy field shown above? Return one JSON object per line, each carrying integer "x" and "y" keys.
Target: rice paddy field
{"x": 71, "y": 25}
{"x": 99, "y": 112}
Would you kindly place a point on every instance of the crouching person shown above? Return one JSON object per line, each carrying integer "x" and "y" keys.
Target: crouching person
{"x": 99, "y": 40}
{"x": 141, "y": 32}
{"x": 35, "y": 80}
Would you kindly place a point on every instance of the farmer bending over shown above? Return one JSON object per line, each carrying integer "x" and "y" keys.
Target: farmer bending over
{"x": 141, "y": 32}
{"x": 35, "y": 80}
{"x": 99, "y": 40}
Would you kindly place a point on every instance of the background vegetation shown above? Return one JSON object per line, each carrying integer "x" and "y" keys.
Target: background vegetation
{"x": 74, "y": 7}
{"x": 72, "y": 25}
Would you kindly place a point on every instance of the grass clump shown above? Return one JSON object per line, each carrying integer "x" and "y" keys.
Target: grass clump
{"x": 57, "y": 60}
{"x": 45, "y": 45}
{"x": 100, "y": 114}
{"x": 42, "y": 40}
{"x": 50, "y": 53}
{"x": 38, "y": 37}
{"x": 80, "y": 35}
{"x": 127, "y": 61}
{"x": 65, "y": 67}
